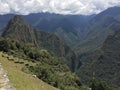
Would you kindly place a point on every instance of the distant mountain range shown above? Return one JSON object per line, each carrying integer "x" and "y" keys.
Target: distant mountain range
{"x": 103, "y": 62}
{"x": 99, "y": 27}
{"x": 76, "y": 30}
{"x": 70, "y": 28}
{"x": 94, "y": 39}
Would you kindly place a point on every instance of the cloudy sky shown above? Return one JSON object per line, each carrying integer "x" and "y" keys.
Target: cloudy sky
{"x": 85, "y": 7}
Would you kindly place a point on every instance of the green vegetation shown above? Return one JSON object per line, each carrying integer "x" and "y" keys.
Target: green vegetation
{"x": 49, "y": 55}
{"x": 45, "y": 65}
{"x": 98, "y": 85}
{"x": 46, "y": 51}
{"x": 46, "y": 56}
{"x": 19, "y": 79}
{"x": 48, "y": 67}
{"x": 104, "y": 63}
{"x": 20, "y": 31}
{"x": 56, "y": 73}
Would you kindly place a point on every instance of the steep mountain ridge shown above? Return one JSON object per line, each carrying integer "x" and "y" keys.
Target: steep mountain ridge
{"x": 113, "y": 11}
{"x": 18, "y": 29}
{"x": 71, "y": 25}
{"x": 67, "y": 27}
{"x": 21, "y": 31}
{"x": 99, "y": 27}
{"x": 104, "y": 63}
{"x": 79, "y": 32}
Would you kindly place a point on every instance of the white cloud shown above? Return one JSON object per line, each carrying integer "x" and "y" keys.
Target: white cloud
{"x": 56, "y": 6}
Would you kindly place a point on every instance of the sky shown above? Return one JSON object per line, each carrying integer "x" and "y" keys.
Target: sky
{"x": 83, "y": 7}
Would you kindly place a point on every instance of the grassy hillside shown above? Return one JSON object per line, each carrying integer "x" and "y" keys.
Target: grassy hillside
{"x": 22, "y": 80}
{"x": 45, "y": 66}
{"x": 48, "y": 52}
{"x": 18, "y": 78}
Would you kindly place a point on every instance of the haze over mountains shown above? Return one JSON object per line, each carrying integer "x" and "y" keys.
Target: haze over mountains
{"x": 75, "y": 30}
{"x": 20, "y": 30}
{"x": 87, "y": 44}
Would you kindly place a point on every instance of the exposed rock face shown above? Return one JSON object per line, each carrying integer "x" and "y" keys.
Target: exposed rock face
{"x": 4, "y": 81}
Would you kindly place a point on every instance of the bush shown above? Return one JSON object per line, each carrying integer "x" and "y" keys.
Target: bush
{"x": 99, "y": 85}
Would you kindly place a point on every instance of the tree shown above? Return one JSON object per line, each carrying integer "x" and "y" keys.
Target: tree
{"x": 4, "y": 45}
{"x": 98, "y": 85}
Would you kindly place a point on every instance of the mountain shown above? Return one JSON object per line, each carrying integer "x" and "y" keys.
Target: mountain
{"x": 94, "y": 39}
{"x": 70, "y": 28}
{"x": 105, "y": 62}
{"x": 49, "y": 56}
{"x": 71, "y": 25}
{"x": 108, "y": 12}
{"x": 100, "y": 48}
{"x": 95, "y": 53}
{"x": 18, "y": 29}
{"x": 78, "y": 31}
{"x": 99, "y": 27}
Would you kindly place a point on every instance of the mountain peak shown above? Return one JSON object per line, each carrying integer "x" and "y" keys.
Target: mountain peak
{"x": 17, "y": 17}
{"x": 20, "y": 30}
{"x": 111, "y": 11}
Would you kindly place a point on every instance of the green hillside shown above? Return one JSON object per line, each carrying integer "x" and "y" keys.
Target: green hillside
{"x": 46, "y": 51}
{"x": 104, "y": 63}
{"x": 21, "y": 80}
{"x": 19, "y": 30}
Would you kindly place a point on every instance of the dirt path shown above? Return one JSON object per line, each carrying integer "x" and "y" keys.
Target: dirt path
{"x": 4, "y": 81}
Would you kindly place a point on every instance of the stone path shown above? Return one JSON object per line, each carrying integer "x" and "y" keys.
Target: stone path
{"x": 4, "y": 81}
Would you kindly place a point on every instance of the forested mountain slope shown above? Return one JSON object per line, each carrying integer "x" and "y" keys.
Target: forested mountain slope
{"x": 104, "y": 63}
{"x": 22, "y": 32}
{"x": 49, "y": 55}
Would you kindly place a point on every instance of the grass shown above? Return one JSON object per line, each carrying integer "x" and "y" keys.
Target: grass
{"x": 19, "y": 79}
